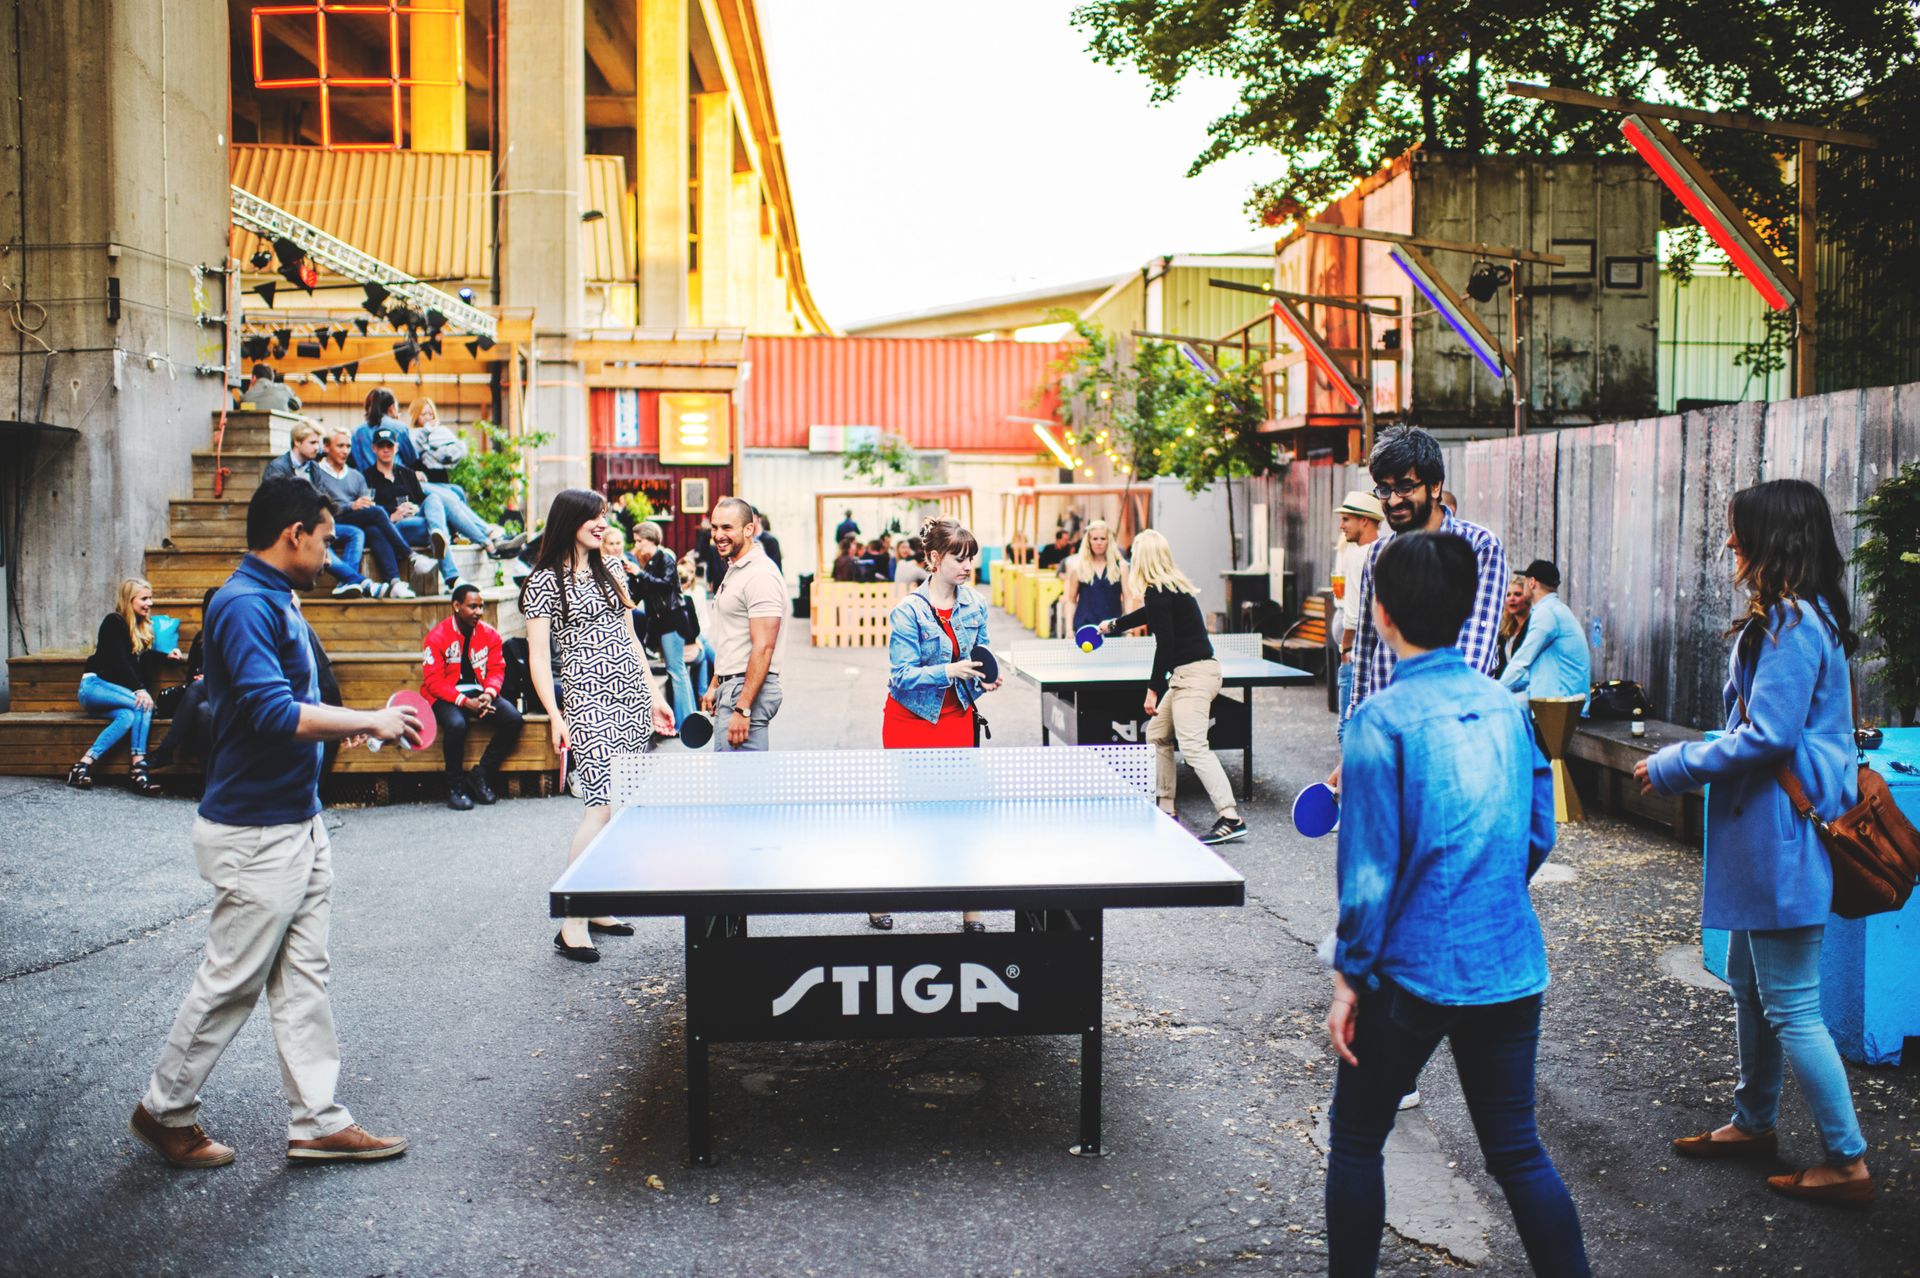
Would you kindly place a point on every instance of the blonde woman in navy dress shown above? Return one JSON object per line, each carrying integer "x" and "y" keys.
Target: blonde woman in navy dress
{"x": 574, "y": 600}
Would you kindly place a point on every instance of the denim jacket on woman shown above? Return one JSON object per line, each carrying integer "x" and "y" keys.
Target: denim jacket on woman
{"x": 918, "y": 654}
{"x": 1765, "y": 867}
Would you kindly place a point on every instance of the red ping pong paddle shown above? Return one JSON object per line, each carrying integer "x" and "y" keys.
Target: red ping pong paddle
{"x": 413, "y": 700}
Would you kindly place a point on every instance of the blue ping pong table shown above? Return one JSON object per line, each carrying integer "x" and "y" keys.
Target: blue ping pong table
{"x": 1095, "y": 698}
{"x": 1057, "y": 836}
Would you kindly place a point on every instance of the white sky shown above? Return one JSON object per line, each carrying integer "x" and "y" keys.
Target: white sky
{"x": 944, "y": 151}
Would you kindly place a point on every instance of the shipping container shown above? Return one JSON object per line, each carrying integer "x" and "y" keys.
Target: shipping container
{"x": 1704, "y": 325}
{"x": 954, "y": 394}
{"x": 1589, "y": 327}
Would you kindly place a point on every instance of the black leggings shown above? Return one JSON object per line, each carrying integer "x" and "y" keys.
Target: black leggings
{"x": 454, "y": 723}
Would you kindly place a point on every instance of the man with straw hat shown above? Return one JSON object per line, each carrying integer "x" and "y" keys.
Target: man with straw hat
{"x": 1360, "y": 515}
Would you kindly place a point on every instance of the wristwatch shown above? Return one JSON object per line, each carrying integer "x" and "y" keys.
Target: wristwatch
{"x": 746, "y": 710}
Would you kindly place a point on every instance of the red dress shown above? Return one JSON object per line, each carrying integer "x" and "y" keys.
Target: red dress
{"x": 902, "y": 729}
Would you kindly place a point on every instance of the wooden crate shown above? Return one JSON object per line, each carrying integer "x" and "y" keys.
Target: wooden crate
{"x": 848, "y": 614}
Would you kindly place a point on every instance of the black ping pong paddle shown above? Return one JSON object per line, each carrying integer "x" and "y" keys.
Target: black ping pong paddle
{"x": 696, "y": 731}
{"x": 984, "y": 658}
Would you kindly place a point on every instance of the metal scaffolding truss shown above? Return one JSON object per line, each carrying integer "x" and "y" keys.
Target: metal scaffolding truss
{"x": 252, "y": 213}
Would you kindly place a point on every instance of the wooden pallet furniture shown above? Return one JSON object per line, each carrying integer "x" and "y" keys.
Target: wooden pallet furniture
{"x": 1601, "y": 756}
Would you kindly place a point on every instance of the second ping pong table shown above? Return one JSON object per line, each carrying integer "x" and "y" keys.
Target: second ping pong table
{"x": 1057, "y": 836}
{"x": 1095, "y": 698}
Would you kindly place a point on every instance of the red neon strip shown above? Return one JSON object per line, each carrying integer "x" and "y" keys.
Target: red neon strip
{"x": 1709, "y": 217}
{"x": 1311, "y": 349}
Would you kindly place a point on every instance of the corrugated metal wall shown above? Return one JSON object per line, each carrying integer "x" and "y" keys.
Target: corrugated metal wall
{"x": 1192, "y": 308}
{"x": 936, "y": 393}
{"x": 1634, "y": 514}
{"x": 1703, "y": 325}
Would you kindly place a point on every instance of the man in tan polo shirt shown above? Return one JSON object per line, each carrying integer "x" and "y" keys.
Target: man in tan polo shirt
{"x": 748, "y": 615}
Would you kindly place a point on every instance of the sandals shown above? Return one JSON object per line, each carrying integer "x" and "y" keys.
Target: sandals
{"x": 880, "y": 922}
{"x": 143, "y": 782}
{"x": 80, "y": 775}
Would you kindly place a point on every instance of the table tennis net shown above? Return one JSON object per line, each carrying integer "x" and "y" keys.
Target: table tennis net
{"x": 680, "y": 778}
{"x": 1056, "y": 653}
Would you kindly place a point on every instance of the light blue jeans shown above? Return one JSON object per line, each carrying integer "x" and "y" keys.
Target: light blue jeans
{"x": 343, "y": 558}
{"x": 105, "y": 698}
{"x": 1345, "y": 685}
{"x": 673, "y": 651}
{"x": 449, "y": 515}
{"x": 1775, "y": 977}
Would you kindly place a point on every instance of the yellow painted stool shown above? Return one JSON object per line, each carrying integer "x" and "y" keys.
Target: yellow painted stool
{"x": 1556, "y": 718}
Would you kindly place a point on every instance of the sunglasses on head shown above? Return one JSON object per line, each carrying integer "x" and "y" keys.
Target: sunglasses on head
{"x": 1402, "y": 488}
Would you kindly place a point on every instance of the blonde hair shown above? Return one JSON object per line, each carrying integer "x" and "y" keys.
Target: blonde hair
{"x": 140, "y": 627}
{"x": 1114, "y": 566}
{"x": 1153, "y": 566}
{"x": 305, "y": 430}
{"x": 418, "y": 407}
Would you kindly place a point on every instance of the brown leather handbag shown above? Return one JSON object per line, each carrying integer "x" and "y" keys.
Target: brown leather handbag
{"x": 1874, "y": 848}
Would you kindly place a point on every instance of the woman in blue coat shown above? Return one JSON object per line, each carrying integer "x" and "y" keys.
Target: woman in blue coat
{"x": 1768, "y": 880}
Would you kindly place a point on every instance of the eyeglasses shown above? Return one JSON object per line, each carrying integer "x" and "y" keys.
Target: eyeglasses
{"x": 1404, "y": 488}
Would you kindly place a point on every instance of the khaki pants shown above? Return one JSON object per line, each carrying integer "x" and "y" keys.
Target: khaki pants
{"x": 272, "y": 888}
{"x": 1182, "y": 717}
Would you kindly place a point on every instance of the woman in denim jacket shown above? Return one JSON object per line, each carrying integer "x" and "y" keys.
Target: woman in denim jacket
{"x": 932, "y": 684}
{"x": 1767, "y": 878}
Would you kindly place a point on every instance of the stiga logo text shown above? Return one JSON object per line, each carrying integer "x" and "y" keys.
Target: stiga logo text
{"x": 920, "y": 988}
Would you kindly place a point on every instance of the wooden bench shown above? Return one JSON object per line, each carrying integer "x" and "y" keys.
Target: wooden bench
{"x": 1303, "y": 645}
{"x": 1601, "y": 759}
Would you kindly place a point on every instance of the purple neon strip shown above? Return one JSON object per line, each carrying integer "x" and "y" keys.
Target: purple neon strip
{"x": 1441, "y": 304}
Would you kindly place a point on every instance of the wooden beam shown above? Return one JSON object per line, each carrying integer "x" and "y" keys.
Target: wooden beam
{"x": 610, "y": 30}
{"x": 1443, "y": 246}
{"x": 1316, "y": 299}
{"x": 1692, "y": 115}
{"x": 665, "y": 377}
{"x": 1805, "y": 333}
{"x": 609, "y": 111}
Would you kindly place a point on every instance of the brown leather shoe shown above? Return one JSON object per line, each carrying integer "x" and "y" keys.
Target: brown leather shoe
{"x": 182, "y": 1146}
{"x": 1842, "y": 1193}
{"x": 350, "y": 1144}
{"x": 1705, "y": 1146}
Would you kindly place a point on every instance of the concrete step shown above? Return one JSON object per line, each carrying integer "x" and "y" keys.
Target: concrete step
{"x": 47, "y": 744}
{"x": 368, "y": 625}
{"x": 50, "y": 682}
{"x": 194, "y": 564}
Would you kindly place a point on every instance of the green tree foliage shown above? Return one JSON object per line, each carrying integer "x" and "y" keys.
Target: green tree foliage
{"x": 1340, "y": 87}
{"x": 494, "y": 478}
{"x": 1887, "y": 565}
{"x": 890, "y": 462}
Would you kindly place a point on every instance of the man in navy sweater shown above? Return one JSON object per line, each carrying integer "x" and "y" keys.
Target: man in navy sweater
{"x": 260, "y": 841}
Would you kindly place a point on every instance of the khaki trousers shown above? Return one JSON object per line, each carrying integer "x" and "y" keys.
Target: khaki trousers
{"x": 1182, "y": 717}
{"x": 272, "y": 887}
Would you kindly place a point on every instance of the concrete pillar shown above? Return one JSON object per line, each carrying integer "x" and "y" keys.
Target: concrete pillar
{"x": 743, "y": 257}
{"x": 713, "y": 124}
{"x": 122, "y": 184}
{"x": 438, "y": 99}
{"x": 660, "y": 142}
{"x": 543, "y": 139}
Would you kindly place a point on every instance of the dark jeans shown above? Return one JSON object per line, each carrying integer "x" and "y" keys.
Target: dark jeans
{"x": 454, "y": 722}
{"x": 190, "y": 730}
{"x": 389, "y": 548}
{"x": 1493, "y": 1051}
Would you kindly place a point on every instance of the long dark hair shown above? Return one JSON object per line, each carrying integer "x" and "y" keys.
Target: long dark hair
{"x": 380, "y": 405}
{"x": 571, "y": 508}
{"x": 1784, "y": 529}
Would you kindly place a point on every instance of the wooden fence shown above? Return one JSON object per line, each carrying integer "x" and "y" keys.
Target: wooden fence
{"x": 1635, "y": 516}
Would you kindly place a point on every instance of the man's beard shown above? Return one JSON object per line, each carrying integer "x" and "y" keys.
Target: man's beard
{"x": 1416, "y": 519}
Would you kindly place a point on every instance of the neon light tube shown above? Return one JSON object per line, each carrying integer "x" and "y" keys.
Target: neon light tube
{"x": 1661, "y": 156}
{"x": 1317, "y": 353}
{"x": 1053, "y": 446}
{"x": 1437, "y": 296}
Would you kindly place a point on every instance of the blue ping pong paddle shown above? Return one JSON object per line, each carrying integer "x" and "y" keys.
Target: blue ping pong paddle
{"x": 1089, "y": 638}
{"x": 983, "y": 657}
{"x": 1316, "y": 810}
{"x": 696, "y": 731}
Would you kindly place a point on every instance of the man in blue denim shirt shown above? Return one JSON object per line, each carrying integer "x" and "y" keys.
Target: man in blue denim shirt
{"x": 260, "y": 841}
{"x": 1446, "y": 812}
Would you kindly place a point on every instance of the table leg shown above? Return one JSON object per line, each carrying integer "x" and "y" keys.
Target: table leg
{"x": 699, "y": 1116}
{"x": 1246, "y": 766}
{"x": 1090, "y": 1046}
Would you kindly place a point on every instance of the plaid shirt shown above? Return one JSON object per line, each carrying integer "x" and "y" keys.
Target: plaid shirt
{"x": 1373, "y": 659}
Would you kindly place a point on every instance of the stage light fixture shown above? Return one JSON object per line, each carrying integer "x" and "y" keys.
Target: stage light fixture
{"x": 307, "y": 350}
{"x": 1702, "y": 197}
{"x": 466, "y": 295}
{"x": 295, "y": 266}
{"x": 1487, "y": 279}
{"x": 1444, "y": 300}
{"x": 261, "y": 260}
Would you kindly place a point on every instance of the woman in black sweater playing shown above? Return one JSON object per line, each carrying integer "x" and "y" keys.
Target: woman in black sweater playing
{"x": 1186, "y": 679}
{"x": 118, "y": 684}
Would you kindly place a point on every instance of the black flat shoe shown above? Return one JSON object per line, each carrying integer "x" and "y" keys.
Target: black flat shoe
{"x": 578, "y": 953}
{"x": 610, "y": 929}
{"x": 880, "y": 922}
{"x": 973, "y": 925}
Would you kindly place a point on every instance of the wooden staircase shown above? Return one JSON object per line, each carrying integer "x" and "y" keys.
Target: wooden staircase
{"x": 374, "y": 644}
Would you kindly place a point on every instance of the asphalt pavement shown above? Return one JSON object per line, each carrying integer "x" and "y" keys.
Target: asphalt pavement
{"x": 545, "y": 1108}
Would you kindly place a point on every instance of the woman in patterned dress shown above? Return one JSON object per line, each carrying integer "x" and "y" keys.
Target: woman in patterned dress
{"x": 575, "y": 601}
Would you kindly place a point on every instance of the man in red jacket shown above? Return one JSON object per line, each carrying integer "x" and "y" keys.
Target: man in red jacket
{"x": 461, "y": 675}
